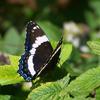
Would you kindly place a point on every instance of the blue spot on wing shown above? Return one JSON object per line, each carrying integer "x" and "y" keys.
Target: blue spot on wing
{"x": 23, "y": 67}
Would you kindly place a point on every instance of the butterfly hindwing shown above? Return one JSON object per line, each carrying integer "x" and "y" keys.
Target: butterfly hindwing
{"x": 38, "y": 52}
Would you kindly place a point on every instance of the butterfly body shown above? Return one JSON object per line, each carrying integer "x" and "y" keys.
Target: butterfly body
{"x": 39, "y": 53}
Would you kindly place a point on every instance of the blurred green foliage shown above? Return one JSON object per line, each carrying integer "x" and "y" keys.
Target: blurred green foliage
{"x": 52, "y": 15}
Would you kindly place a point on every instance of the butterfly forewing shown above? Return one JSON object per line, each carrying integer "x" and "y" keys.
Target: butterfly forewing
{"x": 34, "y": 34}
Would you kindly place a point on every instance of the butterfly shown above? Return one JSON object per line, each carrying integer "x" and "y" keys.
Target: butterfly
{"x": 39, "y": 54}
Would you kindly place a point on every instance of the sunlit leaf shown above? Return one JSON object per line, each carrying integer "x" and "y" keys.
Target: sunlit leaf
{"x": 95, "y": 46}
{"x": 85, "y": 83}
{"x": 50, "y": 91}
{"x": 8, "y": 73}
{"x": 65, "y": 52}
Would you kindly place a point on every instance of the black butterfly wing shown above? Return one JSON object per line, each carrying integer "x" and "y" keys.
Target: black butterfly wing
{"x": 53, "y": 59}
{"x": 37, "y": 50}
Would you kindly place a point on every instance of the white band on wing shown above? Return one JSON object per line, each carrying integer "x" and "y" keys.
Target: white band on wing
{"x": 39, "y": 40}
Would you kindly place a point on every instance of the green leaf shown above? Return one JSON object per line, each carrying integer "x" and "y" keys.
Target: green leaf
{"x": 1, "y": 47}
{"x": 5, "y": 97}
{"x": 96, "y": 6}
{"x": 65, "y": 52}
{"x": 52, "y": 31}
{"x": 54, "y": 44}
{"x": 12, "y": 41}
{"x": 85, "y": 83}
{"x": 98, "y": 94}
{"x": 78, "y": 89}
{"x": 95, "y": 46}
{"x": 50, "y": 91}
{"x": 90, "y": 18}
{"x": 8, "y": 73}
